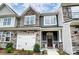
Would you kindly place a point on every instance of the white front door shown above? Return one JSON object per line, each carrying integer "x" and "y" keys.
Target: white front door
{"x": 25, "y": 41}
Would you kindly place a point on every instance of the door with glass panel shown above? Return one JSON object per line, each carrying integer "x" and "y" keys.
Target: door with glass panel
{"x": 49, "y": 38}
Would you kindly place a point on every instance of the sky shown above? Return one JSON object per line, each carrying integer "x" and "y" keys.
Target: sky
{"x": 40, "y": 7}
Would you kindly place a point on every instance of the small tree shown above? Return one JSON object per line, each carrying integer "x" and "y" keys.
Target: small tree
{"x": 36, "y": 48}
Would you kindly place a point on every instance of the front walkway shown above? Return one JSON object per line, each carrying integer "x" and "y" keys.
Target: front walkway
{"x": 52, "y": 52}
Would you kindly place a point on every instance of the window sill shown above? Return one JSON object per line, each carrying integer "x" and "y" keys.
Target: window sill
{"x": 51, "y": 25}
{"x": 6, "y": 41}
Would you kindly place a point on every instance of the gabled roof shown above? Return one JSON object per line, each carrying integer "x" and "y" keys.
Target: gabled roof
{"x": 29, "y": 9}
{"x": 3, "y": 5}
{"x": 41, "y": 14}
{"x": 26, "y": 10}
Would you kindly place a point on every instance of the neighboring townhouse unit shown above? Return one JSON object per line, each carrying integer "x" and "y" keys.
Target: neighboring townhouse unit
{"x": 8, "y": 23}
{"x": 30, "y": 28}
{"x": 70, "y": 27}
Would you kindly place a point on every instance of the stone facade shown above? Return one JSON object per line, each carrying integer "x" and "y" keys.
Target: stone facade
{"x": 12, "y": 39}
{"x": 30, "y": 12}
{"x": 66, "y": 13}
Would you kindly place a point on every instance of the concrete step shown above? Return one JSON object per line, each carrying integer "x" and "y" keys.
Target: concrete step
{"x": 52, "y": 52}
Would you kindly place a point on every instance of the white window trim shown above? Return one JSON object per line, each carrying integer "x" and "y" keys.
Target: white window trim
{"x": 7, "y": 36}
{"x": 29, "y": 16}
{"x": 7, "y": 21}
{"x": 74, "y": 10}
{"x": 49, "y": 24}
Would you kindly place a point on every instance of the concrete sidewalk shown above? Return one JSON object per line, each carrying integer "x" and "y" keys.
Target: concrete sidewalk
{"x": 52, "y": 52}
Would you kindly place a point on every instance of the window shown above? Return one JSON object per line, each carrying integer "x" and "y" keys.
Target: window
{"x": 29, "y": 20}
{"x": 75, "y": 11}
{"x": 7, "y": 21}
{"x": 50, "y": 20}
{"x": 7, "y": 36}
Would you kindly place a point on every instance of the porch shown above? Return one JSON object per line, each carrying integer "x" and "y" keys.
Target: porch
{"x": 51, "y": 39}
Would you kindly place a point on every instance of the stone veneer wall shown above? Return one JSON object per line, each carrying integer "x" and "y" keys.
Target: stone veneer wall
{"x": 66, "y": 13}
{"x": 38, "y": 37}
{"x": 13, "y": 40}
{"x": 14, "y": 37}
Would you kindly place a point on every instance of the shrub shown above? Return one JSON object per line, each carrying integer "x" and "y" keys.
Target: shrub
{"x": 36, "y": 48}
{"x": 9, "y": 47}
{"x": 44, "y": 52}
{"x": 8, "y": 50}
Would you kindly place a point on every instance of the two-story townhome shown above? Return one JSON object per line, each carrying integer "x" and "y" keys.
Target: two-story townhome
{"x": 30, "y": 28}
{"x": 42, "y": 28}
{"x": 70, "y": 29}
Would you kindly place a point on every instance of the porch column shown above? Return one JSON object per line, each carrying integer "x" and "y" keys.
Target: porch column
{"x": 40, "y": 38}
{"x": 60, "y": 36}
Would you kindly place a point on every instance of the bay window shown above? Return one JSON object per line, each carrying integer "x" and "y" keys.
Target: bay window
{"x": 29, "y": 20}
{"x": 50, "y": 20}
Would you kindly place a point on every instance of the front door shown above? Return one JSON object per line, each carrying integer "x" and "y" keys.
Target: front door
{"x": 50, "y": 40}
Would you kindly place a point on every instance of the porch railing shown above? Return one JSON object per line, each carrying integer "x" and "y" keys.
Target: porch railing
{"x": 56, "y": 43}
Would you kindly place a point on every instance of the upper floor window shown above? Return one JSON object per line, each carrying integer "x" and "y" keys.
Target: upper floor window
{"x": 75, "y": 11}
{"x": 7, "y": 21}
{"x": 50, "y": 20}
{"x": 29, "y": 20}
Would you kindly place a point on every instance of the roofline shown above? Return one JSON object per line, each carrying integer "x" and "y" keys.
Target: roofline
{"x": 4, "y": 4}
{"x": 28, "y": 9}
{"x": 41, "y": 14}
{"x": 69, "y": 4}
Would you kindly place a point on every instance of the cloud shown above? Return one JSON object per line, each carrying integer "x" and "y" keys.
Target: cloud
{"x": 41, "y": 7}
